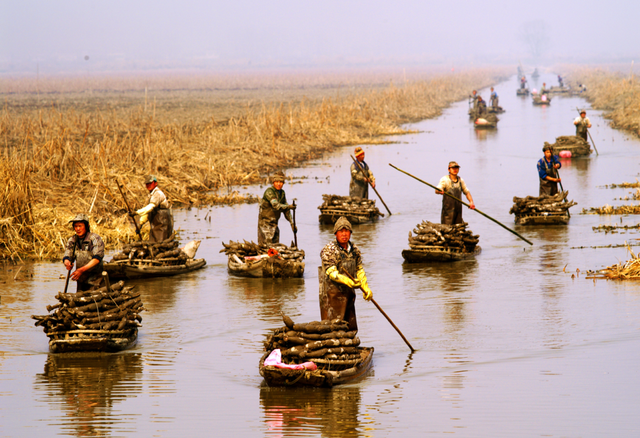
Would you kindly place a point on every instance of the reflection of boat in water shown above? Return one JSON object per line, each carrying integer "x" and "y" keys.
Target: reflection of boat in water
{"x": 438, "y": 254}
{"x": 100, "y": 341}
{"x": 144, "y": 268}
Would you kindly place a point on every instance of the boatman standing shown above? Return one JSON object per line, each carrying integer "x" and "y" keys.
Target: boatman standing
{"x": 157, "y": 212}
{"x": 547, "y": 171}
{"x": 361, "y": 176}
{"x": 455, "y": 186}
{"x": 87, "y": 254}
{"x": 272, "y": 205}
{"x": 493, "y": 99}
{"x": 337, "y": 289}
{"x": 582, "y": 123}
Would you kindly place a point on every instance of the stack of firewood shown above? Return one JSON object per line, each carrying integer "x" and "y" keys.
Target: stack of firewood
{"x": 323, "y": 342}
{"x": 166, "y": 251}
{"x": 532, "y": 205}
{"x": 113, "y": 307}
{"x": 428, "y": 235}
{"x": 251, "y": 249}
{"x": 349, "y": 204}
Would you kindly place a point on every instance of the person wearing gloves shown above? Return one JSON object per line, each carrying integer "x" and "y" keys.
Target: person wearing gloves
{"x": 359, "y": 185}
{"x": 157, "y": 212}
{"x": 582, "y": 122}
{"x": 341, "y": 272}
{"x": 272, "y": 205}
{"x": 547, "y": 171}
{"x": 86, "y": 250}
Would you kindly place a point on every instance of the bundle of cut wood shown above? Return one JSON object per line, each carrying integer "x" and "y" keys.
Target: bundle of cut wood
{"x": 428, "y": 234}
{"x": 113, "y": 307}
{"x": 166, "y": 251}
{"x": 532, "y": 205}
{"x": 350, "y": 204}
{"x": 323, "y": 342}
{"x": 251, "y": 249}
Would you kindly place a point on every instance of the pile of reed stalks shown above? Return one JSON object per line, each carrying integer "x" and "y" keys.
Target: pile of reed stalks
{"x": 629, "y": 270}
{"x": 608, "y": 209}
{"x": 57, "y": 162}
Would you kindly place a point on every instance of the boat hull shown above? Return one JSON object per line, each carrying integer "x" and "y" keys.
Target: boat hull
{"x": 265, "y": 268}
{"x": 438, "y": 254}
{"x": 92, "y": 341}
{"x": 124, "y": 270}
{"x": 330, "y": 216}
{"x": 543, "y": 219}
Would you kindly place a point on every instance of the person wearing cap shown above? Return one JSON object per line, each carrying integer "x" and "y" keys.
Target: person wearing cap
{"x": 342, "y": 271}
{"x": 157, "y": 212}
{"x": 360, "y": 178}
{"x": 493, "y": 100}
{"x": 582, "y": 123}
{"x": 88, "y": 253}
{"x": 272, "y": 205}
{"x": 455, "y": 186}
{"x": 547, "y": 171}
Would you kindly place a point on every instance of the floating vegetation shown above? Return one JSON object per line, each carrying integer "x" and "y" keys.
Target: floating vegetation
{"x": 608, "y": 209}
{"x": 606, "y": 246}
{"x": 624, "y": 185}
{"x": 614, "y": 228}
{"x": 629, "y": 270}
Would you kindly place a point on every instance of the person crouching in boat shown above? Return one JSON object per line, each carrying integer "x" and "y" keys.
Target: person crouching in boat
{"x": 342, "y": 272}
{"x": 86, "y": 250}
{"x": 272, "y": 205}
{"x": 547, "y": 171}
{"x": 157, "y": 212}
{"x": 455, "y": 186}
{"x": 359, "y": 185}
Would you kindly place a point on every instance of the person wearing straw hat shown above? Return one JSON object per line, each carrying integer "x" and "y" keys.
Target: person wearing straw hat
{"x": 341, "y": 272}
{"x": 157, "y": 212}
{"x": 582, "y": 123}
{"x": 454, "y": 185}
{"x": 272, "y": 206}
{"x": 547, "y": 171}
{"x": 360, "y": 178}
{"x": 87, "y": 255}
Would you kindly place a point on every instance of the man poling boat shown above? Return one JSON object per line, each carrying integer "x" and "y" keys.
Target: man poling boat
{"x": 157, "y": 212}
{"x": 272, "y": 205}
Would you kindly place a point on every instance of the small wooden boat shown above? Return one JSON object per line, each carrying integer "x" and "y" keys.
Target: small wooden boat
{"x": 543, "y": 219}
{"x": 482, "y": 123}
{"x": 559, "y": 90}
{"x": 541, "y": 100}
{"x": 522, "y": 92}
{"x": 496, "y": 110}
{"x": 438, "y": 254}
{"x": 95, "y": 341}
{"x": 325, "y": 376}
{"x": 145, "y": 268}
{"x": 331, "y": 215}
{"x": 264, "y": 267}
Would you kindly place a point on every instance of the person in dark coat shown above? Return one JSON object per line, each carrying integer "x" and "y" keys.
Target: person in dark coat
{"x": 157, "y": 212}
{"x": 86, "y": 250}
{"x": 548, "y": 171}
{"x": 455, "y": 186}
{"x": 272, "y": 205}
{"x": 360, "y": 178}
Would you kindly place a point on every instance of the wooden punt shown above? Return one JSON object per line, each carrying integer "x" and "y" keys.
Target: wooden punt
{"x": 143, "y": 268}
{"x": 438, "y": 254}
{"x": 522, "y": 91}
{"x": 537, "y": 100}
{"x": 331, "y": 215}
{"x": 92, "y": 341}
{"x": 266, "y": 267}
{"x": 486, "y": 124}
{"x": 322, "y": 377}
{"x": 543, "y": 219}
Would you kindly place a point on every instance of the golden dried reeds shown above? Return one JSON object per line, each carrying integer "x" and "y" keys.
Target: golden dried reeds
{"x": 56, "y": 162}
{"x": 629, "y": 270}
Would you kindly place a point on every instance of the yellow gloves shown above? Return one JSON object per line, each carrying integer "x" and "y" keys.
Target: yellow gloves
{"x": 333, "y": 274}
{"x": 367, "y": 294}
{"x": 146, "y": 210}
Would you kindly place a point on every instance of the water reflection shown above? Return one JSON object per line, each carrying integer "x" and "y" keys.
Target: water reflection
{"x": 333, "y": 412}
{"x": 86, "y": 388}
{"x": 268, "y": 297}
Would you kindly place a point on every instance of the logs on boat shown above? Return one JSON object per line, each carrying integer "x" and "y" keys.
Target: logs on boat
{"x": 111, "y": 307}
{"x": 325, "y": 342}
{"x": 166, "y": 251}
{"x": 428, "y": 234}
{"x": 532, "y": 205}
{"x": 251, "y": 249}
{"x": 350, "y": 204}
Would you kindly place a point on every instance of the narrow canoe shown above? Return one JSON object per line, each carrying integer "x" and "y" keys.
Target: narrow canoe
{"x": 130, "y": 269}
{"x": 438, "y": 254}
{"x": 322, "y": 377}
{"x": 331, "y": 215}
{"x": 94, "y": 341}
{"x": 522, "y": 92}
{"x": 543, "y": 219}
{"x": 267, "y": 267}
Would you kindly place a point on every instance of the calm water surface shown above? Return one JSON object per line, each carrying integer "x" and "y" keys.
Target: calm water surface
{"x": 507, "y": 345}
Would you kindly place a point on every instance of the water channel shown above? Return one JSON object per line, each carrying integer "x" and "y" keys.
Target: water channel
{"x": 514, "y": 343}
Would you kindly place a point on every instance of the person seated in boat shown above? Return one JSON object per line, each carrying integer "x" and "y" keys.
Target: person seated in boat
{"x": 482, "y": 107}
{"x": 361, "y": 176}
{"x": 493, "y": 100}
{"x": 523, "y": 83}
{"x": 547, "y": 171}
{"x": 560, "y": 82}
{"x": 454, "y": 186}
{"x": 342, "y": 273}
{"x": 272, "y": 205}
{"x": 86, "y": 250}
{"x": 157, "y": 212}
{"x": 544, "y": 90}
{"x": 582, "y": 123}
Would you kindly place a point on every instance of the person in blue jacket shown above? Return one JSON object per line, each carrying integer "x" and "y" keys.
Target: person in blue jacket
{"x": 548, "y": 171}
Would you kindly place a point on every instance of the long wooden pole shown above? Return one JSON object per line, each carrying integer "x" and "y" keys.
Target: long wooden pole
{"x": 73, "y": 256}
{"x": 565, "y": 199}
{"x": 129, "y": 210}
{"x": 369, "y": 182}
{"x": 464, "y": 203}
{"x": 592, "y": 142}
{"x": 295, "y": 229}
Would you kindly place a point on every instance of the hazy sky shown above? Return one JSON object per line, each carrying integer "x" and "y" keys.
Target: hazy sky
{"x": 57, "y": 35}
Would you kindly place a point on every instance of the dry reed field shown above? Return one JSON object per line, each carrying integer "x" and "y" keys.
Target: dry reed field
{"x": 61, "y": 151}
{"x": 615, "y": 92}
